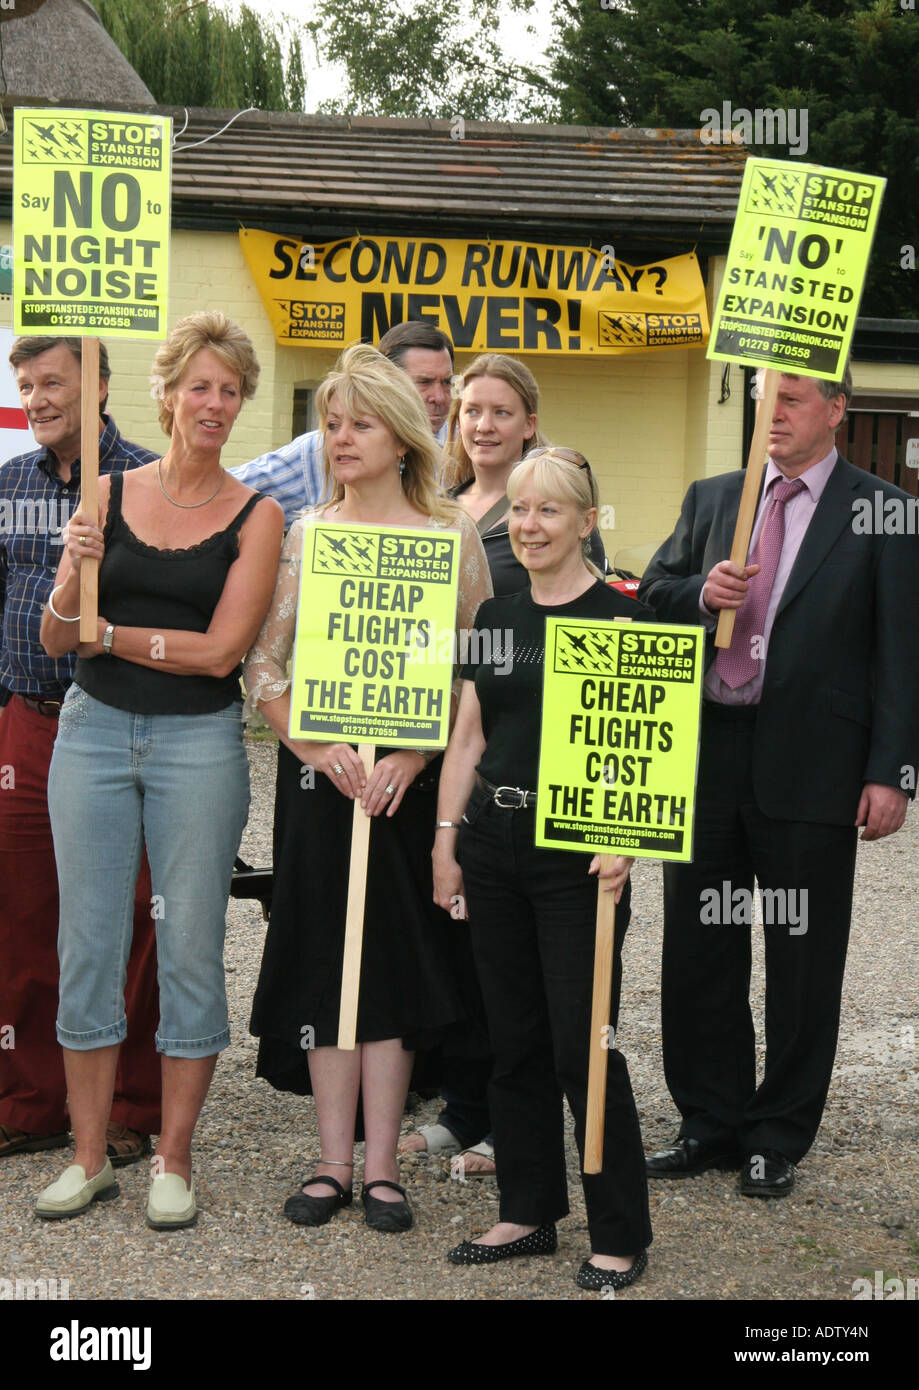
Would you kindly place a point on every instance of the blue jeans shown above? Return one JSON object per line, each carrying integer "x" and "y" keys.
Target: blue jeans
{"x": 180, "y": 783}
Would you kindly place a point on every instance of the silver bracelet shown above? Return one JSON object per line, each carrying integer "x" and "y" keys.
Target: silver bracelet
{"x": 60, "y": 617}
{"x": 448, "y": 825}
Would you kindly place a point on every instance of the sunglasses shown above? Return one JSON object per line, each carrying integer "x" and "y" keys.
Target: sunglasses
{"x": 567, "y": 456}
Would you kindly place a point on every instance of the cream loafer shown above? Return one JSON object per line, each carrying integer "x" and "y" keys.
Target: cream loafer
{"x": 73, "y": 1192}
{"x": 171, "y": 1203}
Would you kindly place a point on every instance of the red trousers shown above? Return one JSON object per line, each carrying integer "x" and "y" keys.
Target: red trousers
{"x": 32, "y": 1086}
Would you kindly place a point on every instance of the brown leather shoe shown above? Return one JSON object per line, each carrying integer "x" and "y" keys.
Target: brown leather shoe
{"x": 16, "y": 1141}
{"x": 124, "y": 1146}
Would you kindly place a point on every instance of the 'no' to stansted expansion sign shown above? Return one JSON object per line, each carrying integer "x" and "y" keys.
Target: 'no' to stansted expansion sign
{"x": 620, "y": 733}
{"x": 91, "y": 202}
{"x": 796, "y": 267}
{"x": 369, "y": 665}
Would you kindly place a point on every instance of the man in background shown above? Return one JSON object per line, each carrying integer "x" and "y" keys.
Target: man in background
{"x": 293, "y": 474}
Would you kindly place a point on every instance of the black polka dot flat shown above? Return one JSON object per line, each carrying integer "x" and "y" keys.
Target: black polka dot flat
{"x": 598, "y": 1280}
{"x": 539, "y": 1242}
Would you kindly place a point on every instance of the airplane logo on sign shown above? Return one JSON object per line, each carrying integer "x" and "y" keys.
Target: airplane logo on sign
{"x": 585, "y": 650}
{"x": 343, "y": 553}
{"x": 617, "y": 330}
{"x": 778, "y": 192}
{"x": 58, "y": 142}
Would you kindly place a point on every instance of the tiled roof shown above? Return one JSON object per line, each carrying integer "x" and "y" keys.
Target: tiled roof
{"x": 327, "y": 176}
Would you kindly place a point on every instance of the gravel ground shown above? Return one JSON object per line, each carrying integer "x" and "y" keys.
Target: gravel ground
{"x": 854, "y": 1210}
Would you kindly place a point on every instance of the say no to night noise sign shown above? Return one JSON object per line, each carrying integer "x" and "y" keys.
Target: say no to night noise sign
{"x": 91, "y": 218}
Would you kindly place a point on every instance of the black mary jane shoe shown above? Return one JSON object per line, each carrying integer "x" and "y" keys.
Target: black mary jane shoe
{"x": 542, "y": 1241}
{"x": 599, "y": 1280}
{"x": 305, "y": 1210}
{"x": 386, "y": 1216}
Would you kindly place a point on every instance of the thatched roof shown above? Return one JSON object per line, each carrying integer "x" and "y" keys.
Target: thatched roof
{"x": 57, "y": 50}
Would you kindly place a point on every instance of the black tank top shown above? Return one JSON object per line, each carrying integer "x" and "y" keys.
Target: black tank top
{"x": 140, "y": 586}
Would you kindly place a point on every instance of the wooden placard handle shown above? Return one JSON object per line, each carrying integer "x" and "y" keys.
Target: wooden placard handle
{"x": 756, "y": 462}
{"x": 599, "y": 1026}
{"x": 354, "y": 920}
{"x": 89, "y": 483}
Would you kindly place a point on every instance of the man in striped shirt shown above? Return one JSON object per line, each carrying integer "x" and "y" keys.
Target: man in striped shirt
{"x": 293, "y": 475}
{"x": 38, "y": 493}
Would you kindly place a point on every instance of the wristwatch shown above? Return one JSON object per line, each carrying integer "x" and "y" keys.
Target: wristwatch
{"x": 108, "y": 638}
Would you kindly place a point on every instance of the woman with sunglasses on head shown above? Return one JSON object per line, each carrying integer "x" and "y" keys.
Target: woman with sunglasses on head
{"x": 532, "y": 911}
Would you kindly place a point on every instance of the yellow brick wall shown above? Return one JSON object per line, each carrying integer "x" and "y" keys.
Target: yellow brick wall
{"x": 884, "y": 376}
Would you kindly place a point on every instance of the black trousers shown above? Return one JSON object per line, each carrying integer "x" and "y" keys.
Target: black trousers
{"x": 532, "y": 918}
{"x": 708, "y": 1036}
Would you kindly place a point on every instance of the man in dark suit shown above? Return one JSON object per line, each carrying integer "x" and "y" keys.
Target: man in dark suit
{"x": 809, "y": 728}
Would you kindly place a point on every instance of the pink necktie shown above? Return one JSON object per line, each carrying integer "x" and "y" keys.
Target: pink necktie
{"x": 737, "y": 664}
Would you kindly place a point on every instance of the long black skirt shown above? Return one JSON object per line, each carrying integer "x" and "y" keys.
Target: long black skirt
{"x": 417, "y": 978}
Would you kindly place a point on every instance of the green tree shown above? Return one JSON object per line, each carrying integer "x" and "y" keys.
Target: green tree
{"x": 850, "y": 64}
{"x": 189, "y": 53}
{"x": 412, "y": 59}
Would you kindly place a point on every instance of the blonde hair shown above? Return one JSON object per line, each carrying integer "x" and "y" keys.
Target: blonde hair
{"x": 206, "y": 329}
{"x": 457, "y": 464}
{"x": 366, "y": 381}
{"x": 563, "y": 479}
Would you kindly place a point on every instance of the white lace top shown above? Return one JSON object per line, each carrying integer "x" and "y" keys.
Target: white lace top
{"x": 266, "y": 670}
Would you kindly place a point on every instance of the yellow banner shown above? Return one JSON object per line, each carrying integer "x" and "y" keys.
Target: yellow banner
{"x": 487, "y": 296}
{"x": 620, "y": 733}
{"x": 91, "y": 198}
{"x": 796, "y": 267}
{"x": 369, "y": 665}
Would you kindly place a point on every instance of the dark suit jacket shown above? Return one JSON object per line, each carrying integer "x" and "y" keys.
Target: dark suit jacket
{"x": 840, "y": 700}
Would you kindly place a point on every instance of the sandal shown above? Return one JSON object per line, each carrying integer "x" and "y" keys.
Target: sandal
{"x": 386, "y": 1216}
{"x": 438, "y": 1139}
{"x": 482, "y": 1150}
{"x": 124, "y": 1146}
{"x": 305, "y": 1210}
{"x": 16, "y": 1141}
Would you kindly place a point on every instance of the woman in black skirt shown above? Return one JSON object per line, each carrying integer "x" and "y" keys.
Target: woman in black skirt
{"x": 380, "y": 461}
{"x": 532, "y": 911}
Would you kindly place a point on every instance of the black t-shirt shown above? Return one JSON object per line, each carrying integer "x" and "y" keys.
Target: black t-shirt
{"x": 508, "y": 576}
{"x": 505, "y": 659}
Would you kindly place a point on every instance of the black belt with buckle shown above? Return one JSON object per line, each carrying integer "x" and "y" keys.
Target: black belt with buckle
{"x": 508, "y": 798}
{"x": 51, "y": 708}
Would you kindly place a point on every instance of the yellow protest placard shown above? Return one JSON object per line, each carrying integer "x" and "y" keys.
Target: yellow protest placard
{"x": 91, "y": 205}
{"x": 374, "y": 644}
{"x": 488, "y": 296}
{"x": 620, "y": 733}
{"x": 796, "y": 266}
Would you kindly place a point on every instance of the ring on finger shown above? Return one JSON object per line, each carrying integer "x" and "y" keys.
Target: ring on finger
{"x": 390, "y": 789}
{"x": 337, "y": 769}
{"x": 84, "y": 540}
